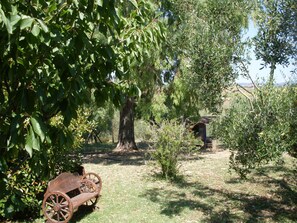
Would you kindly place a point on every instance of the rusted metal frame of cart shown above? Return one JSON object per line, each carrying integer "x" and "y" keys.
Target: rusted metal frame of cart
{"x": 67, "y": 192}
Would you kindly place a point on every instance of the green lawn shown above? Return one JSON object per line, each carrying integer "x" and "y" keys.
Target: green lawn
{"x": 132, "y": 192}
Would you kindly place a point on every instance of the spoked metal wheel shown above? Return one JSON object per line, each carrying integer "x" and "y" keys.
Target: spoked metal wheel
{"x": 88, "y": 186}
{"x": 57, "y": 207}
{"x": 94, "y": 178}
{"x": 92, "y": 202}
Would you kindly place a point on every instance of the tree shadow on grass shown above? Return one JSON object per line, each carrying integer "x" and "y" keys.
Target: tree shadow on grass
{"x": 106, "y": 156}
{"x": 98, "y": 147}
{"x": 129, "y": 158}
{"x": 82, "y": 212}
{"x": 222, "y": 205}
{"x": 173, "y": 202}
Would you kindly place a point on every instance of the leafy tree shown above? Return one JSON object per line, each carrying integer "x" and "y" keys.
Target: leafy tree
{"x": 139, "y": 43}
{"x": 204, "y": 37}
{"x": 263, "y": 124}
{"x": 198, "y": 32}
{"x": 259, "y": 131}
{"x": 51, "y": 54}
{"x": 275, "y": 43}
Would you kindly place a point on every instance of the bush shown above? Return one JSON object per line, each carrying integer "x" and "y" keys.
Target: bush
{"x": 257, "y": 131}
{"x": 26, "y": 177}
{"x": 24, "y": 193}
{"x": 142, "y": 130}
{"x": 170, "y": 140}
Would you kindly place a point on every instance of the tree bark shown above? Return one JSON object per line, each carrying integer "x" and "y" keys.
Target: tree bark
{"x": 126, "y": 130}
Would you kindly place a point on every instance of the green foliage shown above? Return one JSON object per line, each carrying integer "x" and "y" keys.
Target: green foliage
{"x": 66, "y": 157}
{"x": 142, "y": 131}
{"x": 261, "y": 126}
{"x": 170, "y": 140}
{"x": 293, "y": 124}
{"x": 24, "y": 194}
{"x": 142, "y": 33}
{"x": 275, "y": 42}
{"x": 257, "y": 131}
{"x": 93, "y": 118}
{"x": 205, "y": 36}
{"x": 54, "y": 56}
{"x": 153, "y": 108}
{"x": 158, "y": 107}
{"x": 51, "y": 54}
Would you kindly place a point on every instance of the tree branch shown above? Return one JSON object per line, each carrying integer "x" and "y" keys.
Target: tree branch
{"x": 246, "y": 71}
{"x": 245, "y": 95}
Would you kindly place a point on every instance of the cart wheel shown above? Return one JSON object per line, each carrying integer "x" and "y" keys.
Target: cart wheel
{"x": 92, "y": 202}
{"x": 88, "y": 186}
{"x": 57, "y": 207}
{"x": 94, "y": 178}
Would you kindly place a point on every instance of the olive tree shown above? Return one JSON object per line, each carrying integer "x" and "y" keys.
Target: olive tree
{"x": 261, "y": 124}
{"x": 203, "y": 38}
{"x": 259, "y": 131}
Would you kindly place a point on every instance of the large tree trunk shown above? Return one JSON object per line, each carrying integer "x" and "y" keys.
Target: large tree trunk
{"x": 126, "y": 130}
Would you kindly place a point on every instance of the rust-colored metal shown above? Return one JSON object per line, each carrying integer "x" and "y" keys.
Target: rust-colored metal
{"x": 67, "y": 192}
{"x": 94, "y": 178}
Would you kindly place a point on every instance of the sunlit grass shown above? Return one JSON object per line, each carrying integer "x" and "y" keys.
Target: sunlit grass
{"x": 206, "y": 192}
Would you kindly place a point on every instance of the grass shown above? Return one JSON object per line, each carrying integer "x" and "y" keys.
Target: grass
{"x": 206, "y": 192}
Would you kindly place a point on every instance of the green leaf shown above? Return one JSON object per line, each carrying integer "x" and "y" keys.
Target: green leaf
{"x": 138, "y": 91}
{"x": 8, "y": 210}
{"x": 134, "y": 3}
{"x": 36, "y": 143}
{"x": 31, "y": 142}
{"x": 3, "y": 164}
{"x": 6, "y": 22}
{"x": 100, "y": 2}
{"x": 43, "y": 25}
{"x": 81, "y": 15}
{"x": 14, "y": 19}
{"x": 52, "y": 7}
{"x": 26, "y": 22}
{"x": 38, "y": 128}
{"x": 35, "y": 30}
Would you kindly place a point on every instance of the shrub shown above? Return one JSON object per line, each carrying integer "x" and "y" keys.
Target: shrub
{"x": 24, "y": 192}
{"x": 26, "y": 177}
{"x": 257, "y": 131}
{"x": 142, "y": 130}
{"x": 170, "y": 140}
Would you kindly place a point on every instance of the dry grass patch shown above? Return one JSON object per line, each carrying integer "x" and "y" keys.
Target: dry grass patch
{"x": 206, "y": 192}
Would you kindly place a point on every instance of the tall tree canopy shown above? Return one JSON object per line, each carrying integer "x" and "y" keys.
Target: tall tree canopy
{"x": 203, "y": 39}
{"x": 275, "y": 43}
{"x": 53, "y": 55}
{"x": 139, "y": 46}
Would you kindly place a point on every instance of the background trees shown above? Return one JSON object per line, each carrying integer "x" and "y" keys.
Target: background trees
{"x": 275, "y": 43}
{"x": 204, "y": 37}
{"x": 196, "y": 58}
{"x": 260, "y": 126}
{"x": 139, "y": 46}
